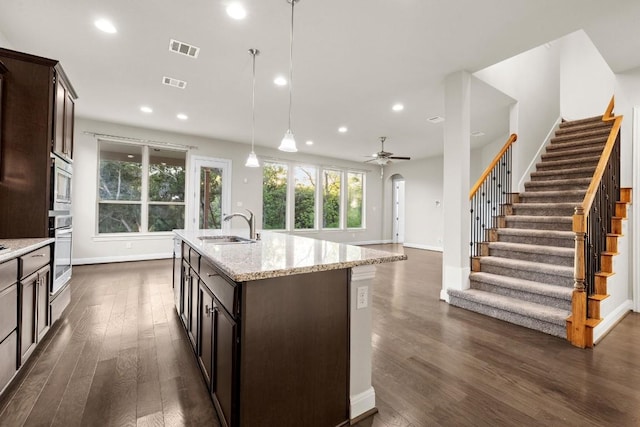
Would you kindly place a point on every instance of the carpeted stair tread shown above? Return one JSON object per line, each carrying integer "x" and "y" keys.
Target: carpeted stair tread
{"x": 538, "y": 233}
{"x": 564, "y": 163}
{"x": 537, "y": 311}
{"x": 582, "y": 127}
{"x": 582, "y": 135}
{"x": 535, "y": 249}
{"x": 580, "y": 122}
{"x": 558, "y": 183}
{"x": 544, "y": 209}
{"x": 599, "y": 141}
{"x": 569, "y": 173}
{"x": 559, "y": 292}
{"x": 550, "y": 269}
{"x": 576, "y": 153}
{"x": 543, "y": 196}
{"x": 539, "y": 222}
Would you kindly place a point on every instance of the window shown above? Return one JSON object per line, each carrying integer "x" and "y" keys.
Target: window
{"x": 140, "y": 188}
{"x": 274, "y": 196}
{"x": 331, "y": 198}
{"x": 355, "y": 182}
{"x": 305, "y": 197}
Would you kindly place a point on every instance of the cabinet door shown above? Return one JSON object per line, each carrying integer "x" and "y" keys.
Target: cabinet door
{"x": 59, "y": 116}
{"x": 177, "y": 280}
{"x": 42, "y": 316}
{"x": 193, "y": 309}
{"x": 69, "y": 107}
{"x": 205, "y": 336}
{"x": 28, "y": 309}
{"x": 185, "y": 293}
{"x": 225, "y": 367}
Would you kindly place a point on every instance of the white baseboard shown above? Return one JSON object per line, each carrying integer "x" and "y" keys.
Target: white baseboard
{"x": 421, "y": 246}
{"x": 122, "y": 258}
{"x": 611, "y": 320}
{"x": 369, "y": 242}
{"x": 362, "y": 402}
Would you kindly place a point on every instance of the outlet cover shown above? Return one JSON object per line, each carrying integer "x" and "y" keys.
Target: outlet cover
{"x": 363, "y": 297}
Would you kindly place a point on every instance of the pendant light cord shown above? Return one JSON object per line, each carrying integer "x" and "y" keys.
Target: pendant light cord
{"x": 254, "y": 52}
{"x": 293, "y": 2}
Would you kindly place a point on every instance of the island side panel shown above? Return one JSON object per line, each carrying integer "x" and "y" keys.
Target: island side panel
{"x": 295, "y": 350}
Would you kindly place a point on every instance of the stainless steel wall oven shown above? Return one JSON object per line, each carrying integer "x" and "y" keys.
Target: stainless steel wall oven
{"x": 61, "y": 228}
{"x": 61, "y": 173}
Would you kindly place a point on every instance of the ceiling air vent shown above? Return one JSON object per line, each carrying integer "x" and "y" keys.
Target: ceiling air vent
{"x": 477, "y": 133}
{"x": 435, "y": 119}
{"x": 183, "y": 48}
{"x": 170, "y": 81}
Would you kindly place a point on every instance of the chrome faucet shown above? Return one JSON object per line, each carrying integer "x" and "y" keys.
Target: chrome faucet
{"x": 250, "y": 220}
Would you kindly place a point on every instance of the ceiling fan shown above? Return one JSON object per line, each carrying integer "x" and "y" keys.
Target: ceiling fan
{"x": 382, "y": 157}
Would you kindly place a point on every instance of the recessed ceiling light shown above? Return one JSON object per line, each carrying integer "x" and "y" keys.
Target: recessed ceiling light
{"x": 397, "y": 107}
{"x": 280, "y": 81}
{"x": 435, "y": 119}
{"x": 477, "y": 133}
{"x": 146, "y": 109}
{"x": 342, "y": 129}
{"x": 182, "y": 116}
{"x": 105, "y": 25}
{"x": 130, "y": 156}
{"x": 309, "y": 142}
{"x": 236, "y": 11}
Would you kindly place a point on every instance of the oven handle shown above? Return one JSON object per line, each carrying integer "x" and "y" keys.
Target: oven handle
{"x": 60, "y": 232}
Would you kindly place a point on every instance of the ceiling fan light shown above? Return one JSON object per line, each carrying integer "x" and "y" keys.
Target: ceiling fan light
{"x": 288, "y": 143}
{"x": 252, "y": 161}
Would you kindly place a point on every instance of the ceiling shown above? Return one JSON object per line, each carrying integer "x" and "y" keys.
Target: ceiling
{"x": 353, "y": 59}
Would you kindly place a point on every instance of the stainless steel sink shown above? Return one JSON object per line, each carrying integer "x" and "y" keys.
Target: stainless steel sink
{"x": 225, "y": 240}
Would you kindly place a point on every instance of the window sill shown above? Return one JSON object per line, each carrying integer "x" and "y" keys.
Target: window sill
{"x": 161, "y": 235}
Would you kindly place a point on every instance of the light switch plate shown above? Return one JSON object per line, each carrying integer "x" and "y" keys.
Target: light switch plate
{"x": 362, "y": 297}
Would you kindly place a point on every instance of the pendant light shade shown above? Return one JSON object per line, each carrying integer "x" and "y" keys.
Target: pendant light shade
{"x": 288, "y": 143}
{"x": 252, "y": 160}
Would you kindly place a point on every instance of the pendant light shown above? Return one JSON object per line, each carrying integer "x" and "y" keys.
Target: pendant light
{"x": 288, "y": 142}
{"x": 252, "y": 160}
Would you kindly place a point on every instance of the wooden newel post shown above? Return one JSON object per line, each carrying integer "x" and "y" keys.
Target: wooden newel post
{"x": 577, "y": 334}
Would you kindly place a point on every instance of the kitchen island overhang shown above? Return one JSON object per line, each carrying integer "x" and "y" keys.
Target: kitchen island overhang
{"x": 298, "y": 334}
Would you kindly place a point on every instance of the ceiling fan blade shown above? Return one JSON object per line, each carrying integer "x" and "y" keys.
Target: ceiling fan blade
{"x": 400, "y": 158}
{"x": 371, "y": 160}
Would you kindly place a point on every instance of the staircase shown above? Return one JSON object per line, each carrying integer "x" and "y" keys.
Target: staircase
{"x": 525, "y": 274}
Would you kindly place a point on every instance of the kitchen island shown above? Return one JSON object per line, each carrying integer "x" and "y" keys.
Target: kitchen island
{"x": 281, "y": 327}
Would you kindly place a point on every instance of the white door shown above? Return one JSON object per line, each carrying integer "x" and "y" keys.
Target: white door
{"x": 211, "y": 192}
{"x": 398, "y": 211}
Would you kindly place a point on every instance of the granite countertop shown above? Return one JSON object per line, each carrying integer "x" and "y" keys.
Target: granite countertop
{"x": 279, "y": 254}
{"x": 18, "y": 247}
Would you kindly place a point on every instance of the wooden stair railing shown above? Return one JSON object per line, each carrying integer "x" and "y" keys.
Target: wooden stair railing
{"x": 490, "y": 192}
{"x": 592, "y": 225}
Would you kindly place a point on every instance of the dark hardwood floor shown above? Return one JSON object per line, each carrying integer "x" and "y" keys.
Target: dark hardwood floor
{"x": 120, "y": 358}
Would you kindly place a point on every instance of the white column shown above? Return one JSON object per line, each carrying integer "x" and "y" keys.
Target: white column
{"x": 362, "y": 396}
{"x": 457, "y": 150}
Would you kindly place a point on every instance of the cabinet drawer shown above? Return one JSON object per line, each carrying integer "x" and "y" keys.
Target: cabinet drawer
{"x": 8, "y": 273}
{"x": 225, "y": 292}
{"x": 8, "y": 354}
{"x": 8, "y": 310}
{"x": 35, "y": 260}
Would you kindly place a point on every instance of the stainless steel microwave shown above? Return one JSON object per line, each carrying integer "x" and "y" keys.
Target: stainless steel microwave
{"x": 61, "y": 173}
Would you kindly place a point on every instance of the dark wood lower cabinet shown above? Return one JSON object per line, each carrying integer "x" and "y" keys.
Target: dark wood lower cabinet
{"x": 226, "y": 337}
{"x": 28, "y": 311}
{"x": 273, "y": 352}
{"x": 206, "y": 338}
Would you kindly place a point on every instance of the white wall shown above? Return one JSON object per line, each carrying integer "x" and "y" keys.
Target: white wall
{"x": 423, "y": 180}
{"x": 482, "y": 157}
{"x": 586, "y": 81}
{"x": 246, "y": 188}
{"x": 533, "y": 79}
{"x": 4, "y": 42}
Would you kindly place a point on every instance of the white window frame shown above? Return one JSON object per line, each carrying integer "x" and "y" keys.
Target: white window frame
{"x": 144, "y": 201}
{"x": 319, "y": 208}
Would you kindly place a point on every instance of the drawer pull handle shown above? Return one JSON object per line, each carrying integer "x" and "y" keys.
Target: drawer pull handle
{"x": 211, "y": 274}
{"x": 38, "y": 256}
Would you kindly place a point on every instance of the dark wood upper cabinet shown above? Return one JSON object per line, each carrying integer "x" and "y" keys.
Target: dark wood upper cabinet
{"x": 37, "y": 109}
{"x": 3, "y": 70}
